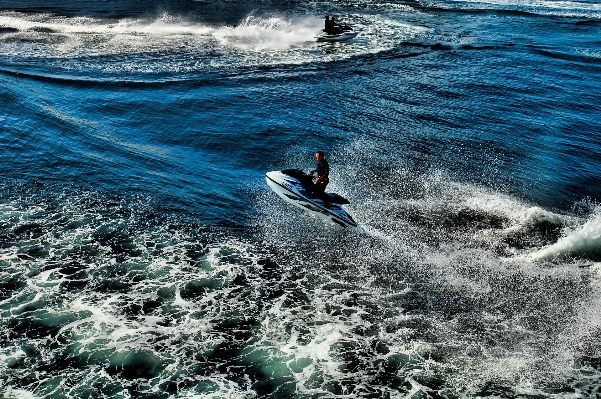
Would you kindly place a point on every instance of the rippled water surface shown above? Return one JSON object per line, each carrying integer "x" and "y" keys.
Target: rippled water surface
{"x": 142, "y": 255}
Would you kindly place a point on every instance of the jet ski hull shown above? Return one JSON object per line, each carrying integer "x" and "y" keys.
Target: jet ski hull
{"x": 338, "y": 37}
{"x": 292, "y": 191}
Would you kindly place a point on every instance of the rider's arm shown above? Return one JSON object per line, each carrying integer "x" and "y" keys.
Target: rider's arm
{"x": 325, "y": 171}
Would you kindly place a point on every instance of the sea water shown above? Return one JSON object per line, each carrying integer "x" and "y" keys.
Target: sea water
{"x": 142, "y": 255}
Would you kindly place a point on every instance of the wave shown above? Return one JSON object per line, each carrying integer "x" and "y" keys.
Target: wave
{"x": 588, "y": 22}
{"x": 583, "y": 241}
{"x": 452, "y": 46}
{"x": 49, "y": 23}
{"x": 559, "y": 8}
{"x": 432, "y": 46}
{"x": 591, "y": 57}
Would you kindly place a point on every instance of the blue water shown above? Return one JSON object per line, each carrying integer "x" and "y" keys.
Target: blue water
{"x": 143, "y": 255}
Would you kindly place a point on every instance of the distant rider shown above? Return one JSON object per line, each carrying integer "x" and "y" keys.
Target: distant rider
{"x": 329, "y": 25}
{"x": 322, "y": 178}
{"x": 336, "y": 28}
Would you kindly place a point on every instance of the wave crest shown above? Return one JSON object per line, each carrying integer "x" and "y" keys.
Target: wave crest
{"x": 583, "y": 241}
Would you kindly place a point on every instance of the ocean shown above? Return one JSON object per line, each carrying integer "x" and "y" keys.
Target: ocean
{"x": 142, "y": 254}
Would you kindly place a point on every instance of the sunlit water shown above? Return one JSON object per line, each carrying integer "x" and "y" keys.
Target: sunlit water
{"x": 143, "y": 255}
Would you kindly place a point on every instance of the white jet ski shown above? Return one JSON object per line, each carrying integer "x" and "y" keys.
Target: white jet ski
{"x": 346, "y": 33}
{"x": 294, "y": 186}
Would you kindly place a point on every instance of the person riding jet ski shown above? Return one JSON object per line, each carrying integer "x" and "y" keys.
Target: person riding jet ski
{"x": 307, "y": 191}
{"x": 331, "y": 27}
{"x": 334, "y": 32}
{"x": 322, "y": 179}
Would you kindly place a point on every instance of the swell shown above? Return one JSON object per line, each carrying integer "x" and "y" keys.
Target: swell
{"x": 587, "y": 59}
{"x": 484, "y": 11}
{"x": 508, "y": 12}
{"x": 228, "y": 76}
{"x": 113, "y": 82}
{"x": 588, "y": 22}
{"x": 440, "y": 46}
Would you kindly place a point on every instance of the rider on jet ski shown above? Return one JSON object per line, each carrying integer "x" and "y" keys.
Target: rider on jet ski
{"x": 322, "y": 179}
{"x": 331, "y": 27}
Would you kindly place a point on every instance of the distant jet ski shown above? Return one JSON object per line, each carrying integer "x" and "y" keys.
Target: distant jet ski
{"x": 346, "y": 33}
{"x": 294, "y": 186}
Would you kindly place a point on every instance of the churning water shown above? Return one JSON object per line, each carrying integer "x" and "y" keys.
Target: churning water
{"x": 142, "y": 254}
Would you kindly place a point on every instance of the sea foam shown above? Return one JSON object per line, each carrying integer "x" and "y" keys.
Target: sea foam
{"x": 583, "y": 241}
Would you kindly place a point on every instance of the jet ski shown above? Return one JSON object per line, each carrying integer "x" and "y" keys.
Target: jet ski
{"x": 295, "y": 187}
{"x": 346, "y": 33}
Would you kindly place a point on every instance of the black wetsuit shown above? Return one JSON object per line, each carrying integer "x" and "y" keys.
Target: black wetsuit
{"x": 323, "y": 170}
{"x": 330, "y": 27}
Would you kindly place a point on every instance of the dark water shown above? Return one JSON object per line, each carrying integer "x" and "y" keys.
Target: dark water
{"x": 142, "y": 254}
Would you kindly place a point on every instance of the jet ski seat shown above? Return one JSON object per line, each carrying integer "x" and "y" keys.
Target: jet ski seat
{"x": 307, "y": 182}
{"x": 302, "y": 177}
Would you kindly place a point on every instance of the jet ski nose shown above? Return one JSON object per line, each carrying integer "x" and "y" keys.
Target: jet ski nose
{"x": 273, "y": 174}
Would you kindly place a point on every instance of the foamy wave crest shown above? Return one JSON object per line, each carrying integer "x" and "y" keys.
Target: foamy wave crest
{"x": 143, "y": 34}
{"x": 43, "y": 36}
{"x": 583, "y": 241}
{"x": 256, "y": 33}
{"x": 163, "y": 25}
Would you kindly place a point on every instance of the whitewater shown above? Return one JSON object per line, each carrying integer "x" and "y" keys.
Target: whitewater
{"x": 142, "y": 255}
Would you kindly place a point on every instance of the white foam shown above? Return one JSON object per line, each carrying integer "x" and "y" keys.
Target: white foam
{"x": 581, "y": 241}
{"x": 164, "y": 25}
{"x": 11, "y": 393}
{"x": 9, "y": 254}
{"x": 269, "y": 33}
